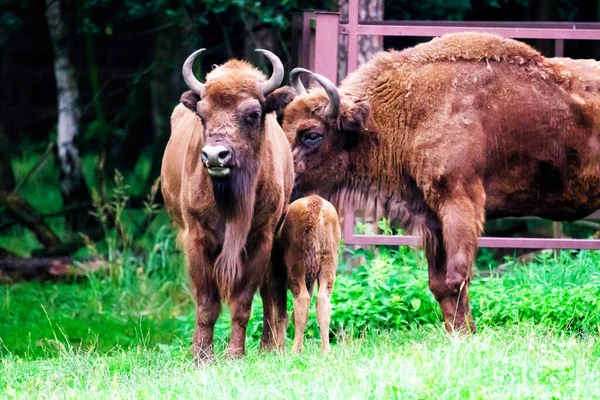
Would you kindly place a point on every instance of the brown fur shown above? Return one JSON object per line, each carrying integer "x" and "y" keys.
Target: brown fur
{"x": 310, "y": 237}
{"x": 447, "y": 133}
{"x": 228, "y": 224}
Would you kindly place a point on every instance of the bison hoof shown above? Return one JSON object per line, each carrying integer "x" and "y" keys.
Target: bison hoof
{"x": 202, "y": 357}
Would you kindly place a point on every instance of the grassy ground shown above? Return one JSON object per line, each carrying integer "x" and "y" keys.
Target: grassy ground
{"x": 520, "y": 362}
{"x": 128, "y": 336}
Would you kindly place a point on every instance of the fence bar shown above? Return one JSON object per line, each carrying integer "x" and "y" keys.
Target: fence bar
{"x": 432, "y": 30}
{"x": 326, "y": 44}
{"x": 352, "y": 35}
{"x": 495, "y": 242}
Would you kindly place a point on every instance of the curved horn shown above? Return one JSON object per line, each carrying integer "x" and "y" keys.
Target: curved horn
{"x": 188, "y": 75}
{"x": 333, "y": 109}
{"x": 296, "y": 82}
{"x": 277, "y": 76}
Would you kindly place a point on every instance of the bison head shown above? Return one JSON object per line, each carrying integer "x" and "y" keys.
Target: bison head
{"x": 232, "y": 104}
{"x": 324, "y": 130}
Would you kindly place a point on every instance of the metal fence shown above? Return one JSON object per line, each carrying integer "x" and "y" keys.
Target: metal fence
{"x": 317, "y": 50}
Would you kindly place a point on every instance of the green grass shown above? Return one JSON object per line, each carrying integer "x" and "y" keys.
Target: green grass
{"x": 519, "y": 362}
{"x": 128, "y": 335}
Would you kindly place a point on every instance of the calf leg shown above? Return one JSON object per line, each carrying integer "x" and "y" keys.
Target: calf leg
{"x": 300, "y": 314}
{"x": 324, "y": 312}
{"x": 328, "y": 265}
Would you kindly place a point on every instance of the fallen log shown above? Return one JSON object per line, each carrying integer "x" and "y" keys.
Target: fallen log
{"x": 44, "y": 268}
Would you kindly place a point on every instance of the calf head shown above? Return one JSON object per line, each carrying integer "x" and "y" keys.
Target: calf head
{"x": 232, "y": 105}
{"x": 324, "y": 130}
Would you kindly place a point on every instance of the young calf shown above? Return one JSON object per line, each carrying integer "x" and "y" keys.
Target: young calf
{"x": 310, "y": 238}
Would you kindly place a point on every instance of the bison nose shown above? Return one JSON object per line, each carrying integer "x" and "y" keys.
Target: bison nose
{"x": 217, "y": 160}
{"x": 215, "y": 156}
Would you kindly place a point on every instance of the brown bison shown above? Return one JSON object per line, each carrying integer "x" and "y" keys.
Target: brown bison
{"x": 227, "y": 174}
{"x": 447, "y": 133}
{"x": 309, "y": 239}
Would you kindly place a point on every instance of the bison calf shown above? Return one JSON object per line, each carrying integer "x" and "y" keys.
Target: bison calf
{"x": 310, "y": 237}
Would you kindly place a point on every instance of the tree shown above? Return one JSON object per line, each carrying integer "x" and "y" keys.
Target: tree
{"x": 72, "y": 185}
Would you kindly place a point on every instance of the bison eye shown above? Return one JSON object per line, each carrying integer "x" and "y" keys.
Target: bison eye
{"x": 253, "y": 116}
{"x": 309, "y": 139}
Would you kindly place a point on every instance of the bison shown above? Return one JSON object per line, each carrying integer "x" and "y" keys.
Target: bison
{"x": 309, "y": 241}
{"x": 445, "y": 134}
{"x": 227, "y": 175}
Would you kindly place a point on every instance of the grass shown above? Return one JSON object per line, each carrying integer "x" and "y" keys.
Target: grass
{"x": 129, "y": 335}
{"x": 520, "y": 362}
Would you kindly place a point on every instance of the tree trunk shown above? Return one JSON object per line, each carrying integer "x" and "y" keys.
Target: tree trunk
{"x": 73, "y": 188}
{"x": 7, "y": 177}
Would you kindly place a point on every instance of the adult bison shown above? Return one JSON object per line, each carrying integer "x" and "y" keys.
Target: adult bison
{"x": 447, "y": 133}
{"x": 227, "y": 174}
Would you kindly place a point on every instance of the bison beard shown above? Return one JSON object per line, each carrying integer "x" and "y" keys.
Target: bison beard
{"x": 234, "y": 199}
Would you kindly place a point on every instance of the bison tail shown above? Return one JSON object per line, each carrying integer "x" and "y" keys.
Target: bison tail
{"x": 310, "y": 239}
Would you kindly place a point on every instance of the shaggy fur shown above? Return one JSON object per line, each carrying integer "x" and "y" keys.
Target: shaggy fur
{"x": 310, "y": 238}
{"x": 452, "y": 131}
{"x": 228, "y": 224}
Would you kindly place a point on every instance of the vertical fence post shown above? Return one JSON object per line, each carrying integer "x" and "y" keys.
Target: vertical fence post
{"x": 559, "y": 47}
{"x": 353, "y": 14}
{"x": 307, "y": 51}
{"x": 326, "y": 44}
{"x": 348, "y": 231}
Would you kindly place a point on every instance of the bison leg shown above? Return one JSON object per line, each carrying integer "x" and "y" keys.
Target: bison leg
{"x": 300, "y": 314}
{"x": 326, "y": 281}
{"x": 462, "y": 217}
{"x": 208, "y": 303}
{"x": 208, "y": 308}
{"x": 274, "y": 295}
{"x": 240, "y": 304}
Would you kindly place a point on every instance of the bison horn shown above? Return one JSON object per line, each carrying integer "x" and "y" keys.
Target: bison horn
{"x": 188, "y": 75}
{"x": 278, "y": 73}
{"x": 333, "y": 109}
{"x": 296, "y": 82}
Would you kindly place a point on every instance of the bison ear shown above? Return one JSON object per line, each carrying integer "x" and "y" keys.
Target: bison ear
{"x": 189, "y": 99}
{"x": 355, "y": 118}
{"x": 278, "y": 100}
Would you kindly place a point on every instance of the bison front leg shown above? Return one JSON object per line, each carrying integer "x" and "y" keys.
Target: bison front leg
{"x": 208, "y": 303}
{"x": 452, "y": 255}
{"x": 240, "y": 304}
